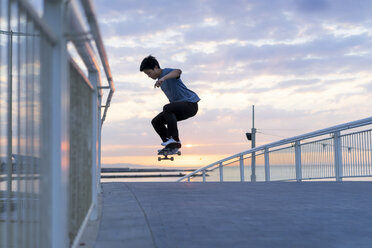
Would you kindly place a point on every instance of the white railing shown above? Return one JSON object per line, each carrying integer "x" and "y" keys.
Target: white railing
{"x": 335, "y": 153}
{"x": 50, "y": 115}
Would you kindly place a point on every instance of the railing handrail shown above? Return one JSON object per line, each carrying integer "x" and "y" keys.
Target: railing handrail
{"x": 83, "y": 46}
{"x": 92, "y": 21}
{"x": 341, "y": 127}
{"x": 85, "y": 50}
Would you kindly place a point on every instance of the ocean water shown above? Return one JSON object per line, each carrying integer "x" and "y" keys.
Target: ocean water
{"x": 153, "y": 179}
{"x": 232, "y": 174}
{"x": 164, "y": 176}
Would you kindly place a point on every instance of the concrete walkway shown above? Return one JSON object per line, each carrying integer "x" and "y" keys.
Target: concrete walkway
{"x": 298, "y": 215}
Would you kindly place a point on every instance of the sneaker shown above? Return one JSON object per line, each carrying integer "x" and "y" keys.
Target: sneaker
{"x": 169, "y": 141}
{"x": 175, "y": 145}
{"x": 164, "y": 142}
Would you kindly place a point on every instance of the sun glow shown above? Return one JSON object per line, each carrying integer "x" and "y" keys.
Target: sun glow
{"x": 185, "y": 160}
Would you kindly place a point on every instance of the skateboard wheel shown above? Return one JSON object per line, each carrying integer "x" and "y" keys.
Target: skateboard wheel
{"x": 178, "y": 153}
{"x": 159, "y": 159}
{"x": 172, "y": 158}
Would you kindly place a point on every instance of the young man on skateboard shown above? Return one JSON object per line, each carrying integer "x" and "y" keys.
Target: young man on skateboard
{"x": 183, "y": 103}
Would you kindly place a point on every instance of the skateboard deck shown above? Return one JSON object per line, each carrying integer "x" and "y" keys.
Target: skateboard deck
{"x": 165, "y": 152}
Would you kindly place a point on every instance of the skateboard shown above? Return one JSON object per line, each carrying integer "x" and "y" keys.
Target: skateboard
{"x": 171, "y": 149}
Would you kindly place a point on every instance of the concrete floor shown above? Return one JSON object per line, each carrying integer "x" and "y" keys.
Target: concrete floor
{"x": 275, "y": 214}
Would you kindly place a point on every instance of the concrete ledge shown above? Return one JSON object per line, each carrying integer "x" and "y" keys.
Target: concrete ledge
{"x": 90, "y": 232}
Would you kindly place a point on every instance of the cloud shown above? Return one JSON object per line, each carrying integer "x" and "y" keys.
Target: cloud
{"x": 368, "y": 87}
{"x": 304, "y": 64}
{"x": 312, "y": 5}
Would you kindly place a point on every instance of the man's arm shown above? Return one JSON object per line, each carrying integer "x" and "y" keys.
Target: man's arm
{"x": 176, "y": 73}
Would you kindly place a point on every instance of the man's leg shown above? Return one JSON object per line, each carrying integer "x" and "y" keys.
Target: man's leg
{"x": 159, "y": 125}
{"x": 177, "y": 111}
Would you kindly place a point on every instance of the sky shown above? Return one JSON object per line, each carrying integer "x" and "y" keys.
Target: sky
{"x": 304, "y": 64}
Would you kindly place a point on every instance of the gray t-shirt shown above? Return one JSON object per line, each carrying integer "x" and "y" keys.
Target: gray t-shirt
{"x": 175, "y": 89}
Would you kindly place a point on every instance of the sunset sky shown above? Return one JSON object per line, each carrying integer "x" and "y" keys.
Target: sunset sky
{"x": 304, "y": 64}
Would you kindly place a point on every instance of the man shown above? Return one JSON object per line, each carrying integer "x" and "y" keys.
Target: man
{"x": 183, "y": 102}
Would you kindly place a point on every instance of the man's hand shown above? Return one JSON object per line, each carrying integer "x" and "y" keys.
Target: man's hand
{"x": 176, "y": 73}
{"x": 159, "y": 82}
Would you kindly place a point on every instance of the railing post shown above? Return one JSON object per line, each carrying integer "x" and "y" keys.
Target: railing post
{"x": 267, "y": 165}
{"x": 298, "y": 161}
{"x": 55, "y": 133}
{"x": 338, "y": 155}
{"x": 9, "y": 135}
{"x": 188, "y": 179}
{"x": 99, "y": 143}
{"x": 203, "y": 176}
{"x": 9, "y": 116}
{"x": 96, "y": 120}
{"x": 221, "y": 172}
{"x": 241, "y": 168}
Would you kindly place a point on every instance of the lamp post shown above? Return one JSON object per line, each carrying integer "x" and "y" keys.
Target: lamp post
{"x": 252, "y": 137}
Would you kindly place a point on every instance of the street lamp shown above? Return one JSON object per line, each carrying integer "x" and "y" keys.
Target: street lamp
{"x": 252, "y": 137}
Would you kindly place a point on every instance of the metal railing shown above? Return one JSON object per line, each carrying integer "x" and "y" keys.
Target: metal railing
{"x": 50, "y": 116}
{"x": 20, "y": 94}
{"x": 92, "y": 21}
{"x": 333, "y": 153}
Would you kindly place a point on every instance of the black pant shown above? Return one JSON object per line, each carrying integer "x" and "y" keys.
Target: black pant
{"x": 165, "y": 123}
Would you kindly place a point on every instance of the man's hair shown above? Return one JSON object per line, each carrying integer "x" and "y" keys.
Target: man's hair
{"x": 149, "y": 63}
